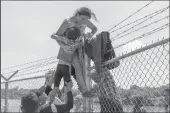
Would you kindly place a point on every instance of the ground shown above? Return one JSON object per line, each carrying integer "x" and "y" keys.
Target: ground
{"x": 14, "y": 106}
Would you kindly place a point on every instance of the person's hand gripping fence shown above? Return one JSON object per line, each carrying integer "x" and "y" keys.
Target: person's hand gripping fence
{"x": 98, "y": 78}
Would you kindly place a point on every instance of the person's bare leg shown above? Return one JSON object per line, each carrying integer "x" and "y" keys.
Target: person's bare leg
{"x": 79, "y": 74}
{"x": 86, "y": 106}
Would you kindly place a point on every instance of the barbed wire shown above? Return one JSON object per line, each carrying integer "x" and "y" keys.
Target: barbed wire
{"x": 28, "y": 67}
{"x": 133, "y": 26}
{"x": 143, "y": 35}
{"x": 131, "y": 15}
{"x": 37, "y": 71}
{"x": 28, "y": 63}
{"x": 148, "y": 33}
{"x": 32, "y": 66}
{"x": 40, "y": 66}
{"x": 156, "y": 12}
{"x": 113, "y": 38}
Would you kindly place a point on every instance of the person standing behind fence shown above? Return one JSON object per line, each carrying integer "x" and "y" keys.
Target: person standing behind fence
{"x": 82, "y": 18}
{"x": 105, "y": 89}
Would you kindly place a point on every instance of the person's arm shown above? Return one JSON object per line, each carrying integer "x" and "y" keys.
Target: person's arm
{"x": 68, "y": 106}
{"x": 60, "y": 39}
{"x": 62, "y": 28}
{"x": 91, "y": 26}
{"x": 46, "y": 109}
{"x": 58, "y": 36}
{"x": 64, "y": 43}
{"x": 51, "y": 81}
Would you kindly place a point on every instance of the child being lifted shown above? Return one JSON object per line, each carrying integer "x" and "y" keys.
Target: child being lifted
{"x": 70, "y": 37}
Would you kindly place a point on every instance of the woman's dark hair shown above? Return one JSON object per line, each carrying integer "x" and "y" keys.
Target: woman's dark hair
{"x": 85, "y": 11}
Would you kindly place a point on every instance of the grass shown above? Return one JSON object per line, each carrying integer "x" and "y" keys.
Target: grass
{"x": 14, "y": 106}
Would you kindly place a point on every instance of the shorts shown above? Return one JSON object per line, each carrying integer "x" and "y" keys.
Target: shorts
{"x": 62, "y": 71}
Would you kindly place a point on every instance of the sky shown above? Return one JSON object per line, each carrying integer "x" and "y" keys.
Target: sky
{"x": 26, "y": 26}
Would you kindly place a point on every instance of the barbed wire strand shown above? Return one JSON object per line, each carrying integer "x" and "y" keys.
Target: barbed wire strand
{"x": 37, "y": 71}
{"x": 47, "y": 64}
{"x": 151, "y": 15}
{"x": 132, "y": 27}
{"x": 114, "y": 38}
{"x": 30, "y": 66}
{"x": 39, "y": 66}
{"x": 131, "y": 15}
{"x": 34, "y": 72}
{"x": 141, "y": 36}
{"x": 27, "y": 63}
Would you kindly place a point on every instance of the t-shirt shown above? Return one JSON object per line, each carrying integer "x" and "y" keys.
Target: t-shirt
{"x": 59, "y": 108}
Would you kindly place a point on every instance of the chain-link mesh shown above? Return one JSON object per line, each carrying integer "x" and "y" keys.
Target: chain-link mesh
{"x": 139, "y": 83}
{"x": 18, "y": 88}
{"x": 2, "y": 97}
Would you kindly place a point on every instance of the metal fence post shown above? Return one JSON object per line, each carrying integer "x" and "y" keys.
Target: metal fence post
{"x": 6, "y": 97}
{"x": 6, "y": 89}
{"x": 87, "y": 80}
{"x": 6, "y": 92}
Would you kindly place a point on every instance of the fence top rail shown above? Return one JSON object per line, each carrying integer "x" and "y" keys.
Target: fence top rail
{"x": 135, "y": 52}
{"x": 29, "y": 78}
{"x": 107, "y": 62}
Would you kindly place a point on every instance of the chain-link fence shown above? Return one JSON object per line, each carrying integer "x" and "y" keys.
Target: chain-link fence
{"x": 2, "y": 97}
{"x": 17, "y": 89}
{"x": 139, "y": 83}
